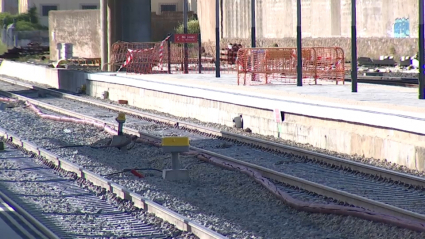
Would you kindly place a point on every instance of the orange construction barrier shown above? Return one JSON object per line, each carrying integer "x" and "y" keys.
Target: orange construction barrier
{"x": 262, "y": 65}
{"x": 330, "y": 63}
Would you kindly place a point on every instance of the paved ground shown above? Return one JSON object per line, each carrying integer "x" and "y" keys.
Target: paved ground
{"x": 325, "y": 92}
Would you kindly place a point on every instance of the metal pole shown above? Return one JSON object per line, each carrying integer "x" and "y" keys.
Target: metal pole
{"x": 299, "y": 46}
{"x": 186, "y": 54}
{"x": 175, "y": 162}
{"x": 217, "y": 38}
{"x": 199, "y": 54}
{"x": 421, "y": 49}
{"x": 253, "y": 34}
{"x": 353, "y": 46}
{"x": 104, "y": 34}
{"x": 169, "y": 54}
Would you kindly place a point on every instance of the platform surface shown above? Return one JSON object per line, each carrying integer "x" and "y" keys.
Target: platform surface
{"x": 386, "y": 106}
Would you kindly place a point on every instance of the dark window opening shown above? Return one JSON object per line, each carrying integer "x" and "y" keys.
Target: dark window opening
{"x": 88, "y": 7}
{"x": 168, "y": 8}
{"x": 282, "y": 116}
{"x": 47, "y": 8}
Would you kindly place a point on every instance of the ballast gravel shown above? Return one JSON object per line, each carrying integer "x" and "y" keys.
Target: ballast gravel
{"x": 70, "y": 208}
{"x": 225, "y": 201}
{"x": 357, "y": 158}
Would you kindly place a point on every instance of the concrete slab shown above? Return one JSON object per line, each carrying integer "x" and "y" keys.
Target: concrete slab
{"x": 326, "y": 91}
{"x": 175, "y": 174}
{"x": 120, "y": 141}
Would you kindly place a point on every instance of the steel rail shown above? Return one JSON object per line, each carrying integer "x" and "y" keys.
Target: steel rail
{"x": 34, "y": 222}
{"x": 268, "y": 173}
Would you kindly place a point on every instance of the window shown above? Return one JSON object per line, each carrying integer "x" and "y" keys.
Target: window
{"x": 87, "y": 7}
{"x": 168, "y": 7}
{"x": 45, "y": 9}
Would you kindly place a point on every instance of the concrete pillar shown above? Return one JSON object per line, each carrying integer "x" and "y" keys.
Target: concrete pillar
{"x": 111, "y": 30}
{"x": 103, "y": 34}
{"x": 23, "y": 6}
{"x": 136, "y": 20}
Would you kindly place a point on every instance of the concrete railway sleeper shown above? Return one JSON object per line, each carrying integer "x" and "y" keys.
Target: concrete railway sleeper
{"x": 385, "y": 213}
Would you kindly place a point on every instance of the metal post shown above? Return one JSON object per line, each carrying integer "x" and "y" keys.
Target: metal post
{"x": 299, "y": 46}
{"x": 175, "y": 161}
{"x": 353, "y": 47}
{"x": 169, "y": 54}
{"x": 217, "y": 38}
{"x": 186, "y": 53}
{"x": 104, "y": 34}
{"x": 421, "y": 50}
{"x": 253, "y": 34}
{"x": 111, "y": 30}
{"x": 120, "y": 127}
{"x": 199, "y": 53}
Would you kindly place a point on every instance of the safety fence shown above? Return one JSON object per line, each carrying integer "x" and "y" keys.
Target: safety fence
{"x": 168, "y": 57}
{"x": 252, "y": 65}
{"x": 263, "y": 65}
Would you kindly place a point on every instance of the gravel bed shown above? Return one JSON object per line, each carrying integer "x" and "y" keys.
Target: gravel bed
{"x": 358, "y": 158}
{"x": 71, "y": 209}
{"x": 347, "y": 181}
{"x": 249, "y": 210}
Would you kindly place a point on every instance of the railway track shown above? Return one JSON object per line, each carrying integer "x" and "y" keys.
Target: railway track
{"x": 378, "y": 190}
{"x": 381, "y": 80}
{"x": 21, "y": 221}
{"x": 55, "y": 206}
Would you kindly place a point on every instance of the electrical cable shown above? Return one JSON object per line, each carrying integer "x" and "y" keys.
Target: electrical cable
{"x": 193, "y": 164}
{"x": 130, "y": 170}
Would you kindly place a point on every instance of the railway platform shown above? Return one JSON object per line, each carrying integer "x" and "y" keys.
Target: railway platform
{"x": 377, "y": 105}
{"x": 384, "y": 122}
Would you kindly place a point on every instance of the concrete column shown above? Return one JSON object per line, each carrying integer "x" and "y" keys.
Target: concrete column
{"x": 103, "y": 34}
{"x": 23, "y": 6}
{"x": 111, "y": 30}
{"x": 118, "y": 20}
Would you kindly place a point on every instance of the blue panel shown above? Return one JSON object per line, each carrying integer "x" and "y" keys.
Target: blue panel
{"x": 402, "y": 28}
{"x": 397, "y": 28}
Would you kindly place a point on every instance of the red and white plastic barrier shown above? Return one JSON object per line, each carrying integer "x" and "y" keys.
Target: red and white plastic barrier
{"x": 130, "y": 54}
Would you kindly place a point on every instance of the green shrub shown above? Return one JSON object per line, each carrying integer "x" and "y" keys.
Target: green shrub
{"x": 26, "y": 26}
{"x": 192, "y": 27}
{"x": 24, "y": 22}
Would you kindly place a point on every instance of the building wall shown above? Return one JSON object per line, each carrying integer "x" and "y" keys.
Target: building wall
{"x": 24, "y": 5}
{"x": 10, "y": 6}
{"x": 206, "y": 16}
{"x": 381, "y": 24}
{"x": 165, "y": 23}
{"x": 81, "y": 28}
{"x": 156, "y": 5}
